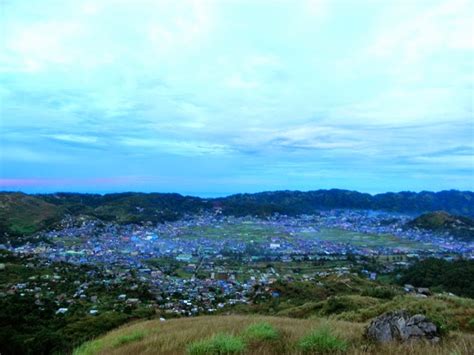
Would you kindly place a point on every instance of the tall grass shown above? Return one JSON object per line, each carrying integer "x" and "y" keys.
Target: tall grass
{"x": 322, "y": 341}
{"x": 176, "y": 336}
{"x": 89, "y": 348}
{"x": 260, "y": 332}
{"x": 129, "y": 338}
{"x": 217, "y": 345}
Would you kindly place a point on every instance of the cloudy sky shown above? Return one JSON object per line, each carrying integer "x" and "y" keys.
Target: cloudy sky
{"x": 217, "y": 97}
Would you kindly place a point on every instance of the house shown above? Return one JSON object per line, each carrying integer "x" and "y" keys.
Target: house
{"x": 61, "y": 311}
{"x": 184, "y": 258}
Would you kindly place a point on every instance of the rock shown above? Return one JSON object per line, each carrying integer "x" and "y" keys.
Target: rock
{"x": 401, "y": 326}
{"x": 424, "y": 291}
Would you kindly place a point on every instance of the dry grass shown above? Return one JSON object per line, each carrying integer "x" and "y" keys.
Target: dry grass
{"x": 175, "y": 335}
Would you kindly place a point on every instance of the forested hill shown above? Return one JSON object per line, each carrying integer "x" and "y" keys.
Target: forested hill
{"x": 22, "y": 214}
{"x": 440, "y": 221}
{"x": 297, "y": 202}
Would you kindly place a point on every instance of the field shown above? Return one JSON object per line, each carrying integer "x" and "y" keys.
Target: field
{"x": 240, "y": 232}
{"x": 363, "y": 240}
{"x": 258, "y": 231}
{"x": 175, "y": 337}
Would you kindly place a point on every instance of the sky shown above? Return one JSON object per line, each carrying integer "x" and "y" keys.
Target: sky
{"x": 211, "y": 98}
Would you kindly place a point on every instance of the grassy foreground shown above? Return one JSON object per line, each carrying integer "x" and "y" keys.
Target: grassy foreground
{"x": 269, "y": 335}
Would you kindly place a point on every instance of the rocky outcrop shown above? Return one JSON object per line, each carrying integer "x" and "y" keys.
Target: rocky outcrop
{"x": 403, "y": 327}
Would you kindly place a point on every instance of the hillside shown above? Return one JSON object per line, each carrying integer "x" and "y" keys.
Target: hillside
{"x": 271, "y": 335}
{"x": 23, "y": 214}
{"x": 297, "y": 202}
{"x": 441, "y": 221}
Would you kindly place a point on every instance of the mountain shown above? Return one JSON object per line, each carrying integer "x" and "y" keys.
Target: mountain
{"x": 441, "y": 221}
{"x": 23, "y": 214}
{"x": 297, "y": 202}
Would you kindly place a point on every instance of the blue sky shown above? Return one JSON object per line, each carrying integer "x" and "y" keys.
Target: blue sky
{"x": 217, "y": 97}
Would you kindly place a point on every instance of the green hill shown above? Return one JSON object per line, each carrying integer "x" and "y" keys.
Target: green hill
{"x": 22, "y": 214}
{"x": 441, "y": 221}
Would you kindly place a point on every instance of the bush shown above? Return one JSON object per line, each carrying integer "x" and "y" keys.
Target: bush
{"x": 260, "y": 331}
{"x": 218, "y": 344}
{"x": 335, "y": 305}
{"x": 322, "y": 341}
{"x": 379, "y": 292}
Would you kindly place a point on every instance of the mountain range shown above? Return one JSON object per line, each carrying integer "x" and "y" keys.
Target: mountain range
{"x": 24, "y": 214}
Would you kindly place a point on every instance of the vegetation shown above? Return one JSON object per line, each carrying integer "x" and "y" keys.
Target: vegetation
{"x": 349, "y": 298}
{"x": 29, "y": 321}
{"x": 297, "y": 202}
{"x": 260, "y": 332}
{"x": 37, "y": 328}
{"x": 129, "y": 338}
{"x": 440, "y": 221}
{"x": 23, "y": 215}
{"x": 322, "y": 341}
{"x": 450, "y": 276}
{"x": 217, "y": 345}
{"x": 176, "y": 336}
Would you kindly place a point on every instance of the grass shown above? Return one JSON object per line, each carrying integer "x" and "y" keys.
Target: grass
{"x": 218, "y": 344}
{"x": 175, "y": 336}
{"x": 96, "y": 346}
{"x": 470, "y": 324}
{"x": 129, "y": 338}
{"x": 446, "y": 311}
{"x": 89, "y": 348}
{"x": 362, "y": 240}
{"x": 322, "y": 341}
{"x": 260, "y": 332}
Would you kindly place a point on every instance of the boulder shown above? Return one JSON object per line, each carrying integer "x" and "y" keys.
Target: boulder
{"x": 403, "y": 327}
{"x": 424, "y": 291}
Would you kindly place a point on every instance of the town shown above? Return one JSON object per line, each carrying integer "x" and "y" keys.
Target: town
{"x": 203, "y": 263}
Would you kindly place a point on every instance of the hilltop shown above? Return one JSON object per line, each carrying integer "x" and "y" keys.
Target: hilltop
{"x": 441, "y": 221}
{"x": 23, "y": 214}
{"x": 255, "y": 335}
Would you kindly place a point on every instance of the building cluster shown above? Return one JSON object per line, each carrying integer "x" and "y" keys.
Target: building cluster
{"x": 202, "y": 263}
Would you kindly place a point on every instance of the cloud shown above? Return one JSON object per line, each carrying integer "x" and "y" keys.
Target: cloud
{"x": 19, "y": 183}
{"x": 446, "y": 26}
{"x": 238, "y": 87}
{"x": 178, "y": 147}
{"x": 74, "y": 138}
{"x": 18, "y": 153}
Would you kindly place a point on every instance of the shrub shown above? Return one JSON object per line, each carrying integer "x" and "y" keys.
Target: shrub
{"x": 322, "y": 341}
{"x": 470, "y": 324}
{"x": 218, "y": 344}
{"x": 260, "y": 331}
{"x": 335, "y": 305}
{"x": 379, "y": 292}
{"x": 304, "y": 311}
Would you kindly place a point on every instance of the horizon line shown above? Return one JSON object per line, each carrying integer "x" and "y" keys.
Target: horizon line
{"x": 206, "y": 195}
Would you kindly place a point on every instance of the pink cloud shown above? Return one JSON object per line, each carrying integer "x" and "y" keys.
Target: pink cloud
{"x": 40, "y": 182}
